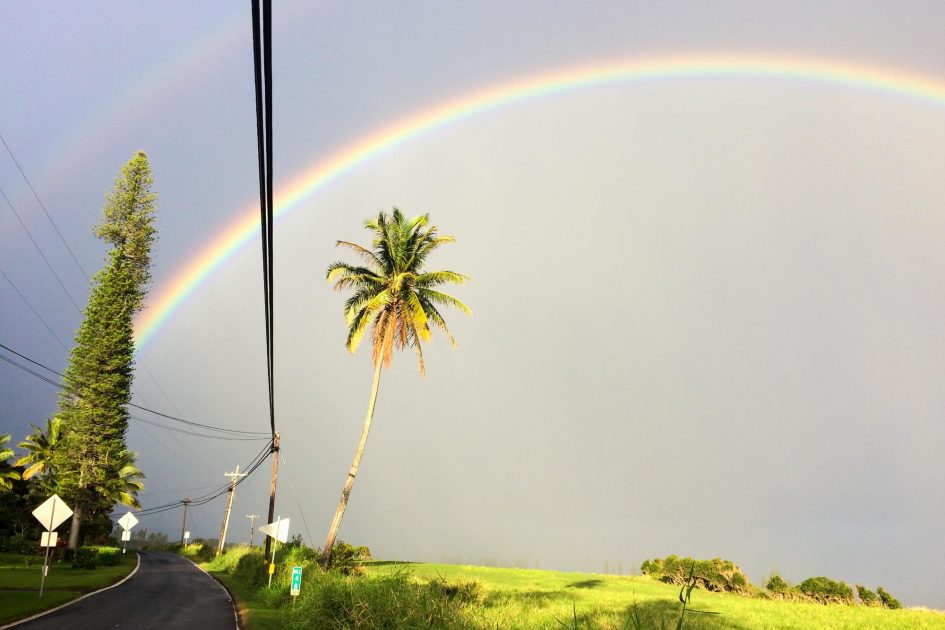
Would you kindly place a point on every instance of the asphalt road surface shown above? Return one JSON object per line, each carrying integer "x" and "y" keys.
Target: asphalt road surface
{"x": 167, "y": 593}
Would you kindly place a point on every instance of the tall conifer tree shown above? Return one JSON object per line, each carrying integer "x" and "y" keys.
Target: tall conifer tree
{"x": 93, "y": 407}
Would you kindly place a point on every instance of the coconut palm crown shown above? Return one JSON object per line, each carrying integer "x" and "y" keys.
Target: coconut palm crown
{"x": 392, "y": 293}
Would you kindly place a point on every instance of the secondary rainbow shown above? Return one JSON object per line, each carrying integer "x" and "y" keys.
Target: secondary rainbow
{"x": 168, "y": 299}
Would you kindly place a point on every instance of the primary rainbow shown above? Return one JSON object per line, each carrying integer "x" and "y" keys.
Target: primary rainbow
{"x": 198, "y": 269}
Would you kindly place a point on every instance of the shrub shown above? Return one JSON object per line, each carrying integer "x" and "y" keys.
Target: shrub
{"x": 85, "y": 558}
{"x": 777, "y": 585}
{"x": 20, "y": 544}
{"x": 888, "y": 600}
{"x": 108, "y": 556}
{"x": 867, "y": 597}
{"x": 251, "y": 569}
{"x": 347, "y": 558}
{"x": 825, "y": 591}
{"x": 712, "y": 575}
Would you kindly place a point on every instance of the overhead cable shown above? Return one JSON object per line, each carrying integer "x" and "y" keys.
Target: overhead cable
{"x": 236, "y": 432}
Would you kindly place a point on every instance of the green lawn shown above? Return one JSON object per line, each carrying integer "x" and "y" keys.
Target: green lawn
{"x": 19, "y": 583}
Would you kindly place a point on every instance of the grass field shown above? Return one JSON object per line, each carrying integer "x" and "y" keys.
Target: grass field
{"x": 523, "y": 598}
{"x": 534, "y": 599}
{"x": 19, "y": 583}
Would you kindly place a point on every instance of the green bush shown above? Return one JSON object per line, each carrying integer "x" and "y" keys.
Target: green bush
{"x": 332, "y": 601}
{"x": 21, "y": 544}
{"x": 347, "y": 558}
{"x": 867, "y": 597}
{"x": 888, "y": 600}
{"x": 826, "y": 591}
{"x": 777, "y": 585}
{"x": 108, "y": 556}
{"x": 85, "y": 558}
{"x": 712, "y": 575}
{"x": 251, "y": 569}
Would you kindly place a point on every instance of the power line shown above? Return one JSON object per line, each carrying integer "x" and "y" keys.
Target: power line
{"x": 40, "y": 252}
{"x": 33, "y": 310}
{"x": 256, "y": 462}
{"x": 158, "y": 413}
{"x": 43, "y": 206}
{"x": 262, "y": 71}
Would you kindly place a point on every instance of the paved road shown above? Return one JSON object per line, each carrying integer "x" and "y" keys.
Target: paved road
{"x": 167, "y": 593}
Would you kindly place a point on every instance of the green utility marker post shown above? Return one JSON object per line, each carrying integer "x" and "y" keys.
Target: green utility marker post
{"x": 296, "y": 582}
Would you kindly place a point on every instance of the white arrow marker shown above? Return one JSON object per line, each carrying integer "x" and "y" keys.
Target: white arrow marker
{"x": 278, "y": 530}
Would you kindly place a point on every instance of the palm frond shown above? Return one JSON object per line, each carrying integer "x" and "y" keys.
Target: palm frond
{"x": 367, "y": 255}
{"x": 438, "y": 297}
{"x": 434, "y": 316}
{"x": 436, "y": 278}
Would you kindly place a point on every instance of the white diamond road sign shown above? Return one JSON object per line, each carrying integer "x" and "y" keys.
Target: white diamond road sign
{"x": 52, "y": 513}
{"x": 127, "y": 521}
{"x": 278, "y": 529}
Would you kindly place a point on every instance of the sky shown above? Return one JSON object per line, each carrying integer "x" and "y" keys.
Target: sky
{"x": 707, "y": 308}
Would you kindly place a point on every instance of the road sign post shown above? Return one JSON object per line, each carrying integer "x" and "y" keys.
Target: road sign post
{"x": 279, "y": 530}
{"x": 296, "y": 582}
{"x": 127, "y": 522}
{"x": 51, "y": 514}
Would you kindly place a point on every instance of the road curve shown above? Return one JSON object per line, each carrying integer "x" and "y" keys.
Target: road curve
{"x": 168, "y": 593}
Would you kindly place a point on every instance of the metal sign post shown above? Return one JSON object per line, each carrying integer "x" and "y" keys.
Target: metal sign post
{"x": 279, "y": 530}
{"x": 50, "y": 518}
{"x": 127, "y": 522}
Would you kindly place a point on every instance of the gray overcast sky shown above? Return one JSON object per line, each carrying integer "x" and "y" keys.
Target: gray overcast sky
{"x": 708, "y": 312}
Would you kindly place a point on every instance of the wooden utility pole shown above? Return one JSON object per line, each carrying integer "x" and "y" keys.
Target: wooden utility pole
{"x": 272, "y": 487}
{"x": 183, "y": 526}
{"x": 252, "y": 526}
{"x": 229, "y": 506}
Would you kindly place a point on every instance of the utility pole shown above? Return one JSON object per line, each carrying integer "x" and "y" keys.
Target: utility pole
{"x": 252, "y": 526}
{"x": 229, "y": 506}
{"x": 272, "y": 487}
{"x": 183, "y": 526}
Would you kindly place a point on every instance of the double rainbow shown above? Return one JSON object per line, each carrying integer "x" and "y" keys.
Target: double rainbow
{"x": 204, "y": 264}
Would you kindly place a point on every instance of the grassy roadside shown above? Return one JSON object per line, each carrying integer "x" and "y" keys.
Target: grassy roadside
{"x": 19, "y": 583}
{"x": 255, "y": 613}
{"x": 422, "y": 595}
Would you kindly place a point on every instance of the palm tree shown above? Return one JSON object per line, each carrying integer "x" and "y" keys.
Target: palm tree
{"x": 40, "y": 446}
{"x": 7, "y": 474}
{"x": 129, "y": 480}
{"x": 398, "y": 300}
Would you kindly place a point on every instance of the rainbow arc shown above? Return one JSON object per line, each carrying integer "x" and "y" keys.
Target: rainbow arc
{"x": 198, "y": 269}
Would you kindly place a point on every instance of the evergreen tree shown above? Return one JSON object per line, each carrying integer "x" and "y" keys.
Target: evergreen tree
{"x": 93, "y": 407}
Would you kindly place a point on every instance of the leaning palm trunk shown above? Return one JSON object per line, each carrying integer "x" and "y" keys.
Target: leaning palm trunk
{"x": 349, "y": 482}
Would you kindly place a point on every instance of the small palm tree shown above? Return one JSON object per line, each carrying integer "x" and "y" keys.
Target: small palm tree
{"x": 129, "y": 480}
{"x": 40, "y": 446}
{"x": 398, "y": 301}
{"x": 7, "y": 474}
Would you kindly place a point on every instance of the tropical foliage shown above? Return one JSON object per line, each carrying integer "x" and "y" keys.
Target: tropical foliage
{"x": 397, "y": 299}
{"x": 40, "y": 446}
{"x": 7, "y": 474}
